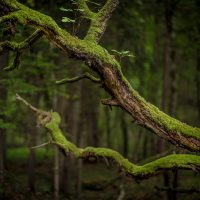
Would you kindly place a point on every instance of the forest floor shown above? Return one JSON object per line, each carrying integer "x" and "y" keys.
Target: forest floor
{"x": 99, "y": 181}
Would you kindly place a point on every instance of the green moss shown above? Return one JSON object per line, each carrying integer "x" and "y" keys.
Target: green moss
{"x": 169, "y": 123}
{"x": 168, "y": 162}
{"x": 109, "y": 153}
{"x": 58, "y": 137}
{"x": 83, "y": 47}
{"x": 172, "y": 124}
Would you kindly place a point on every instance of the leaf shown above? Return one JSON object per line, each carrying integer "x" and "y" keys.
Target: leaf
{"x": 80, "y": 10}
{"x": 95, "y": 3}
{"x": 66, "y": 10}
{"x": 115, "y": 51}
{"x": 123, "y": 53}
{"x": 66, "y": 19}
{"x": 73, "y": 2}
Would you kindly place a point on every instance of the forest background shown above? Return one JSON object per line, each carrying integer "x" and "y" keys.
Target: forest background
{"x": 158, "y": 43}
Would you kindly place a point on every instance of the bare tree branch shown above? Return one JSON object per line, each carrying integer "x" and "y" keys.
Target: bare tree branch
{"x": 19, "y": 98}
{"x": 110, "y": 102}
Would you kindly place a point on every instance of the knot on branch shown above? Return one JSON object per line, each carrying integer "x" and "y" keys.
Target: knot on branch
{"x": 110, "y": 102}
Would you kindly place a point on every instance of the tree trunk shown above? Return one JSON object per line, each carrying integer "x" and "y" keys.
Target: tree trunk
{"x": 198, "y": 84}
{"x": 124, "y": 134}
{"x": 32, "y": 157}
{"x": 3, "y": 98}
{"x": 79, "y": 136}
{"x": 169, "y": 87}
{"x": 56, "y": 173}
{"x": 108, "y": 126}
{"x": 198, "y": 64}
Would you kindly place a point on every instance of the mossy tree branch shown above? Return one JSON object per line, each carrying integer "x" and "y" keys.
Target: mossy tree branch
{"x": 51, "y": 121}
{"x": 14, "y": 46}
{"x": 109, "y": 70}
{"x": 99, "y": 21}
{"x": 19, "y": 48}
{"x": 78, "y": 78}
{"x": 85, "y": 9}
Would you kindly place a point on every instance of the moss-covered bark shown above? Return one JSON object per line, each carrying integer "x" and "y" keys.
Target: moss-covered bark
{"x": 51, "y": 121}
{"x": 109, "y": 70}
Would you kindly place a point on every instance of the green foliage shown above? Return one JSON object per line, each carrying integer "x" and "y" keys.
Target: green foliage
{"x": 22, "y": 153}
{"x": 123, "y": 53}
{"x": 6, "y": 125}
{"x": 66, "y": 10}
{"x": 66, "y": 19}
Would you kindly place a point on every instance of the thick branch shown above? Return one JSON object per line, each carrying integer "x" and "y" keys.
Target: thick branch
{"x": 99, "y": 22}
{"x": 51, "y": 121}
{"x": 85, "y": 9}
{"x": 78, "y": 78}
{"x": 98, "y": 59}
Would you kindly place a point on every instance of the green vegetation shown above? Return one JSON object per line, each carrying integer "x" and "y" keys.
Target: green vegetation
{"x": 118, "y": 62}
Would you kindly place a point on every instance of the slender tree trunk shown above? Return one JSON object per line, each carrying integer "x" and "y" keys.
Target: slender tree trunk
{"x": 158, "y": 142}
{"x": 172, "y": 108}
{"x": 3, "y": 98}
{"x": 124, "y": 134}
{"x": 56, "y": 173}
{"x": 108, "y": 126}
{"x": 79, "y": 136}
{"x": 32, "y": 157}
{"x": 91, "y": 98}
{"x": 65, "y": 161}
{"x": 198, "y": 64}
{"x": 145, "y": 146}
{"x": 31, "y": 164}
{"x": 169, "y": 84}
{"x": 56, "y": 155}
{"x": 198, "y": 84}
{"x": 138, "y": 146}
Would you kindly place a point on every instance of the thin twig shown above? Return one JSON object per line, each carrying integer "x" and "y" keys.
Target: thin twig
{"x": 77, "y": 78}
{"x": 41, "y": 145}
{"x": 18, "y": 97}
